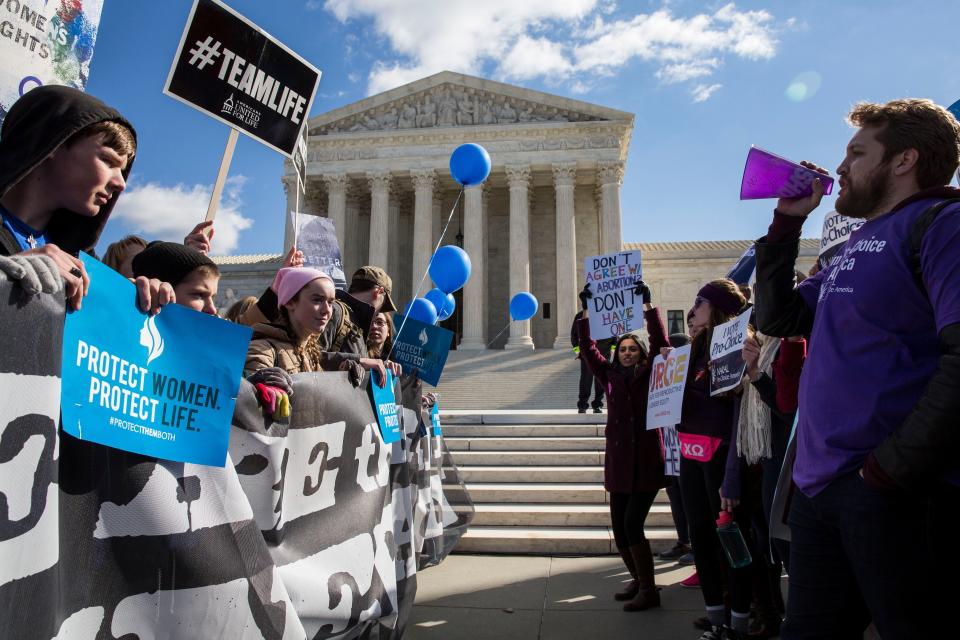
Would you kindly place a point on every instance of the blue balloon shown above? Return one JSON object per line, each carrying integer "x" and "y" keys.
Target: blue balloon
{"x": 450, "y": 268}
{"x": 421, "y": 309}
{"x": 444, "y": 302}
{"x": 469, "y": 164}
{"x": 523, "y": 306}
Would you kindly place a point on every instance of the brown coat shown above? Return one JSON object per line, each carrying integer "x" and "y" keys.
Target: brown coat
{"x": 271, "y": 347}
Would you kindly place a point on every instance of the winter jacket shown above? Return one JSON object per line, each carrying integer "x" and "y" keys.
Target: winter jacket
{"x": 634, "y": 456}
{"x": 271, "y": 347}
{"x": 703, "y": 414}
{"x": 37, "y": 124}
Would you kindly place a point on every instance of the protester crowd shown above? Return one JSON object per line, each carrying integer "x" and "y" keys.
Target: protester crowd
{"x": 863, "y": 356}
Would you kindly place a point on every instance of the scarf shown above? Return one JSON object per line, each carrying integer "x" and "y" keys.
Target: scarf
{"x": 753, "y": 431}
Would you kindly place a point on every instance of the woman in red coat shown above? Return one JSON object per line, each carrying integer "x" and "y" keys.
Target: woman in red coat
{"x": 633, "y": 471}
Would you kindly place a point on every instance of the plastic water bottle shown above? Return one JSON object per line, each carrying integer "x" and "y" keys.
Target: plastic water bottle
{"x": 734, "y": 546}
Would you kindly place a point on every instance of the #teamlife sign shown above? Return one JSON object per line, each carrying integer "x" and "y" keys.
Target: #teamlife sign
{"x": 836, "y": 230}
{"x": 726, "y": 354}
{"x": 233, "y": 71}
{"x": 667, "y": 380}
{"x": 614, "y": 309}
{"x": 162, "y": 386}
{"x": 422, "y": 348}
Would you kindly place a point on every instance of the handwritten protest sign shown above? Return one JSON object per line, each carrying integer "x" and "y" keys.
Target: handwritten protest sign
{"x": 667, "y": 379}
{"x": 671, "y": 451}
{"x": 421, "y": 348}
{"x": 385, "y": 406}
{"x": 317, "y": 239}
{"x": 614, "y": 308}
{"x": 45, "y": 43}
{"x": 161, "y": 386}
{"x": 836, "y": 230}
{"x": 726, "y": 354}
{"x": 230, "y": 69}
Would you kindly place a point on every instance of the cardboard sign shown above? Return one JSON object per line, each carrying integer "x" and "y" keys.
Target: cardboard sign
{"x": 317, "y": 239}
{"x": 671, "y": 451}
{"x": 45, "y": 42}
{"x": 614, "y": 308}
{"x": 230, "y": 69}
{"x": 421, "y": 348}
{"x": 745, "y": 271}
{"x": 162, "y": 386}
{"x": 385, "y": 406}
{"x": 667, "y": 380}
{"x": 726, "y": 353}
{"x": 436, "y": 429}
{"x": 836, "y": 230}
{"x": 767, "y": 175}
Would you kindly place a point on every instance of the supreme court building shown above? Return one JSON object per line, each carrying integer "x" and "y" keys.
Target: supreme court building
{"x": 379, "y": 169}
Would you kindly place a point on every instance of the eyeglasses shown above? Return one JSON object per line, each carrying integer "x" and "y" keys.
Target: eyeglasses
{"x": 380, "y": 322}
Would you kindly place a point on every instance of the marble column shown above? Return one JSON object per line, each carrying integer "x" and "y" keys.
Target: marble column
{"x": 474, "y": 308}
{"x": 424, "y": 182}
{"x": 337, "y": 185}
{"x": 518, "y": 177}
{"x": 379, "y": 218}
{"x": 609, "y": 179}
{"x": 290, "y": 190}
{"x": 564, "y": 179}
{"x": 393, "y": 235}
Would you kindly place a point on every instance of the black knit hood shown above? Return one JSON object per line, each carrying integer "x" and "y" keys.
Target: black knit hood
{"x": 36, "y": 125}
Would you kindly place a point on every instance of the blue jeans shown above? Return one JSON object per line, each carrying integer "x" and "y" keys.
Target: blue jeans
{"x": 857, "y": 554}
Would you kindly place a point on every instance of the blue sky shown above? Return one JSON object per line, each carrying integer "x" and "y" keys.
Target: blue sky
{"x": 705, "y": 80}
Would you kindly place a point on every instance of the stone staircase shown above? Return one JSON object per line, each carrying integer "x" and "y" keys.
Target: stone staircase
{"x": 536, "y": 480}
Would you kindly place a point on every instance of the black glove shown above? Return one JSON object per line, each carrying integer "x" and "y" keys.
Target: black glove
{"x": 273, "y": 377}
{"x": 641, "y": 289}
{"x": 585, "y": 295}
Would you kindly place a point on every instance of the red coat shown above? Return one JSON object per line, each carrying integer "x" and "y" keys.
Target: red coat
{"x": 634, "y": 456}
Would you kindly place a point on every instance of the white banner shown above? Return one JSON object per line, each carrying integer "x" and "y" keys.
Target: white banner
{"x": 836, "y": 229}
{"x": 614, "y": 309}
{"x": 667, "y": 379}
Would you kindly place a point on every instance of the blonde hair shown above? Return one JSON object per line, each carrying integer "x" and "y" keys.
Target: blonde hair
{"x": 238, "y": 308}
{"x": 116, "y": 253}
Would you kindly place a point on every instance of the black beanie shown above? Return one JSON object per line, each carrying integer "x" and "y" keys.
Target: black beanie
{"x": 169, "y": 262}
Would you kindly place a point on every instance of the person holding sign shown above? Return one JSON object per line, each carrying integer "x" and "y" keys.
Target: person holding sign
{"x": 633, "y": 468}
{"x": 705, "y": 431}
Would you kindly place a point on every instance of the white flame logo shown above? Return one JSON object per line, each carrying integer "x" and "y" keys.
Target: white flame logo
{"x": 151, "y": 339}
{"x": 424, "y": 339}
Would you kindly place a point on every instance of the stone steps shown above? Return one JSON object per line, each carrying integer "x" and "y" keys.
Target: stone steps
{"x": 536, "y": 482}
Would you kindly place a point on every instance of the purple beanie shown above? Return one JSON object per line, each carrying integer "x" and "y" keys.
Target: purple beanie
{"x": 720, "y": 298}
{"x": 290, "y": 280}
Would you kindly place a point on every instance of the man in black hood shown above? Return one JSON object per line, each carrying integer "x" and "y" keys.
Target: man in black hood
{"x": 64, "y": 159}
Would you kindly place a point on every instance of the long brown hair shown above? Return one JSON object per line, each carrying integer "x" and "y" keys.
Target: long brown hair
{"x": 307, "y": 350}
{"x": 701, "y": 342}
{"x": 382, "y": 350}
{"x": 115, "y": 254}
{"x": 644, "y": 354}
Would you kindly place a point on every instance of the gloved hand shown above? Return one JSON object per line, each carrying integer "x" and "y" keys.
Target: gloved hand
{"x": 267, "y": 396}
{"x": 283, "y": 406}
{"x": 641, "y": 289}
{"x": 585, "y": 295}
{"x": 36, "y": 274}
{"x": 354, "y": 371}
{"x": 273, "y": 377}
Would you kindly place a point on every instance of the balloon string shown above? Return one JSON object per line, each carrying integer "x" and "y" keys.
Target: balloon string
{"x": 489, "y": 344}
{"x": 424, "y": 276}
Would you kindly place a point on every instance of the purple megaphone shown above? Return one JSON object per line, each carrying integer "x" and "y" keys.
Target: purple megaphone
{"x": 767, "y": 175}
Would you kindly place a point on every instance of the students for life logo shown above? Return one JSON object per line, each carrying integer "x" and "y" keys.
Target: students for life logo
{"x": 151, "y": 339}
{"x": 424, "y": 339}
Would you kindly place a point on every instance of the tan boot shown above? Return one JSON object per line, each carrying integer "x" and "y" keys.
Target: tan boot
{"x": 647, "y": 593}
{"x": 630, "y": 591}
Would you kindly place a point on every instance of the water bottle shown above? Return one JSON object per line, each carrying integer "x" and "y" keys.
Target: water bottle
{"x": 734, "y": 546}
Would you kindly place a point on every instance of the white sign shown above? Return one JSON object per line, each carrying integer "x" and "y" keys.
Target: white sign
{"x": 316, "y": 237}
{"x": 667, "y": 380}
{"x": 836, "y": 229}
{"x": 614, "y": 308}
{"x": 726, "y": 353}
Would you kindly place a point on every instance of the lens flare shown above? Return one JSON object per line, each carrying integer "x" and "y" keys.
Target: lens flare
{"x": 804, "y": 86}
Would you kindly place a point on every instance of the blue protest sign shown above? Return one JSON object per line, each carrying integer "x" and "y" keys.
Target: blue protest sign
{"x": 385, "y": 405}
{"x": 435, "y": 419}
{"x": 162, "y": 386}
{"x": 743, "y": 272}
{"x": 422, "y": 349}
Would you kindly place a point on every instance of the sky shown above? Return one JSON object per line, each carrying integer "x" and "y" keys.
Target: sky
{"x": 705, "y": 80}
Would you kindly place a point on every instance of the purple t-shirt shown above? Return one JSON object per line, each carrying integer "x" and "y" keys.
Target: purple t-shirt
{"x": 874, "y": 344}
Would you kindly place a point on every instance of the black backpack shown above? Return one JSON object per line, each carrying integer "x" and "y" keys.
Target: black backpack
{"x": 917, "y": 232}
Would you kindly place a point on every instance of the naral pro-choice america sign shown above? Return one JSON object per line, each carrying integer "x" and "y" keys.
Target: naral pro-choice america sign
{"x": 230, "y": 69}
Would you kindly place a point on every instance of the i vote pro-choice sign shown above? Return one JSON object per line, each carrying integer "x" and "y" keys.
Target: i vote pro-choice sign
{"x": 232, "y": 70}
{"x": 162, "y": 386}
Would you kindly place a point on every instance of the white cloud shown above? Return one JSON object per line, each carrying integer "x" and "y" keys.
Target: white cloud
{"x": 702, "y": 92}
{"x": 570, "y": 41}
{"x": 169, "y": 213}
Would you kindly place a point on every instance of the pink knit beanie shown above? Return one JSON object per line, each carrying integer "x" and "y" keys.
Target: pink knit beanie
{"x": 290, "y": 280}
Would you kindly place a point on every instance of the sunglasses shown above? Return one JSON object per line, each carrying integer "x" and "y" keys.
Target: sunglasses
{"x": 699, "y": 300}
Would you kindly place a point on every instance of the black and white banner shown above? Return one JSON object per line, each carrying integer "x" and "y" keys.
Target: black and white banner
{"x": 314, "y": 529}
{"x": 232, "y": 70}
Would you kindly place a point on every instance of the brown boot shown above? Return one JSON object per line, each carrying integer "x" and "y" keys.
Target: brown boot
{"x": 647, "y": 593}
{"x": 630, "y": 591}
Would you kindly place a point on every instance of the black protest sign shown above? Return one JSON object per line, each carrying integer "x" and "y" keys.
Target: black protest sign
{"x": 232, "y": 70}
{"x": 726, "y": 354}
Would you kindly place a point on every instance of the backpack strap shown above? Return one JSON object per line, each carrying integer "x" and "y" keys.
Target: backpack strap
{"x": 917, "y": 231}
{"x": 343, "y": 329}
